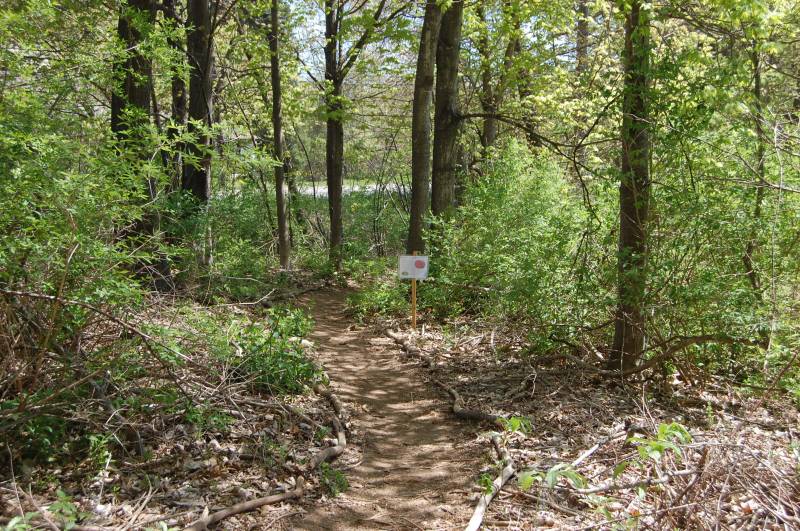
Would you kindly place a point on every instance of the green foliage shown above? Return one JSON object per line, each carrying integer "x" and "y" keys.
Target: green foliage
{"x": 66, "y": 511}
{"x": 99, "y": 451}
{"x": 272, "y": 354}
{"x": 667, "y": 439}
{"x": 382, "y": 296}
{"x": 516, "y": 425}
{"x": 486, "y": 483}
{"x": 207, "y": 419}
{"x": 527, "y": 478}
{"x": 333, "y": 481}
{"x": 21, "y": 523}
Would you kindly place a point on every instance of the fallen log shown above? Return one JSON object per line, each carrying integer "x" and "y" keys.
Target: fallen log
{"x": 505, "y": 474}
{"x": 203, "y": 523}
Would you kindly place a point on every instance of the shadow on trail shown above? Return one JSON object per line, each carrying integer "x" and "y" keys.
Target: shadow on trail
{"x": 415, "y": 466}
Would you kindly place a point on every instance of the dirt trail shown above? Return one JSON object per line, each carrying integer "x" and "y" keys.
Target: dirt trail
{"x": 416, "y": 466}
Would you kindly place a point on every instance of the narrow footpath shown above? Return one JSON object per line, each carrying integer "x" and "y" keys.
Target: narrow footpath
{"x": 415, "y": 464}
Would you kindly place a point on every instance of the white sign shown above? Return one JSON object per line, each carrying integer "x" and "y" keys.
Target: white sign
{"x": 412, "y": 267}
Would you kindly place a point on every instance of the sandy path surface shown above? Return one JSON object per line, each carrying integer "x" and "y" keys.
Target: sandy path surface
{"x": 416, "y": 468}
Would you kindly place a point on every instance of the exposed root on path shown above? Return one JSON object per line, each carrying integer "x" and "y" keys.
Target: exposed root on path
{"x": 251, "y": 505}
{"x": 505, "y": 474}
{"x": 332, "y": 452}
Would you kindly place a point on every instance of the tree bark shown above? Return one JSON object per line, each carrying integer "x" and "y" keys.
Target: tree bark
{"x": 178, "y": 93}
{"x": 130, "y": 105}
{"x": 197, "y": 177}
{"x": 488, "y": 101}
{"x": 334, "y": 145}
{"x": 634, "y": 193}
{"x": 277, "y": 138}
{"x": 421, "y": 126}
{"x": 752, "y": 243}
{"x": 446, "y": 115}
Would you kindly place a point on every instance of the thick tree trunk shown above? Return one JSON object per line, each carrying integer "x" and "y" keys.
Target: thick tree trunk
{"x": 130, "y": 104}
{"x": 197, "y": 176}
{"x": 446, "y": 116}
{"x": 277, "y": 138}
{"x": 334, "y": 146}
{"x": 634, "y": 194}
{"x": 421, "y": 126}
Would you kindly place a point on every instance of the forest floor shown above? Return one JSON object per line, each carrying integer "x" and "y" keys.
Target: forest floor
{"x": 589, "y": 451}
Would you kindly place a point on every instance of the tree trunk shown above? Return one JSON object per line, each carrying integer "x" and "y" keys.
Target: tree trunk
{"x": 178, "y": 89}
{"x": 421, "y": 126}
{"x": 334, "y": 146}
{"x": 634, "y": 196}
{"x": 277, "y": 138}
{"x": 761, "y": 152}
{"x": 130, "y": 105}
{"x": 446, "y": 116}
{"x": 197, "y": 176}
{"x": 334, "y": 162}
{"x": 488, "y": 96}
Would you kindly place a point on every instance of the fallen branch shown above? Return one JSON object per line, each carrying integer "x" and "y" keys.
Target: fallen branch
{"x": 410, "y": 349}
{"x": 203, "y": 523}
{"x": 458, "y": 403}
{"x": 467, "y": 414}
{"x": 614, "y": 486}
{"x": 505, "y": 474}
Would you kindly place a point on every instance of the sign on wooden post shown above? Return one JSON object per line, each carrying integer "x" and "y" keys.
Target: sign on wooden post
{"x": 411, "y": 266}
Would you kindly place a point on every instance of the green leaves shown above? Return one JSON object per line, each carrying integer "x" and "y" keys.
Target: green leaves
{"x": 654, "y": 449}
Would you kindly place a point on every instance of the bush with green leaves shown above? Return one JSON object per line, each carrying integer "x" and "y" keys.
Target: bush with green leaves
{"x": 273, "y": 356}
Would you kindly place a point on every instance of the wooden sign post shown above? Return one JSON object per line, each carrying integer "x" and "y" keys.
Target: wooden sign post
{"x": 415, "y": 268}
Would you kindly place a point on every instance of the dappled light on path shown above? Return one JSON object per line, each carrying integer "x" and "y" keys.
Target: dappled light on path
{"x": 416, "y": 466}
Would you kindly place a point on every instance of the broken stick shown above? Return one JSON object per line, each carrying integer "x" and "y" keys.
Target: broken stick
{"x": 203, "y": 523}
{"x": 506, "y": 474}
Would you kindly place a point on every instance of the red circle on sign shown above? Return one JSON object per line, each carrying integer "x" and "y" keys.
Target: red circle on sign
{"x": 419, "y": 264}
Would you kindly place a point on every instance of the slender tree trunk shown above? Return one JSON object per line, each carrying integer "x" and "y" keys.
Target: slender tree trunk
{"x": 752, "y": 243}
{"x": 634, "y": 193}
{"x": 197, "y": 177}
{"x": 421, "y": 126}
{"x": 277, "y": 138}
{"x": 446, "y": 116}
{"x": 581, "y": 66}
{"x": 179, "y": 101}
{"x": 488, "y": 96}
{"x": 761, "y": 152}
{"x": 334, "y": 145}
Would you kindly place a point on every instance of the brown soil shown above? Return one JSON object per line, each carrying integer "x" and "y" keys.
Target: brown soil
{"x": 413, "y": 464}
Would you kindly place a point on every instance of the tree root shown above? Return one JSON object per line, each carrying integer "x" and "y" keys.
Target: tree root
{"x": 203, "y": 523}
{"x": 506, "y": 474}
{"x": 332, "y": 452}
